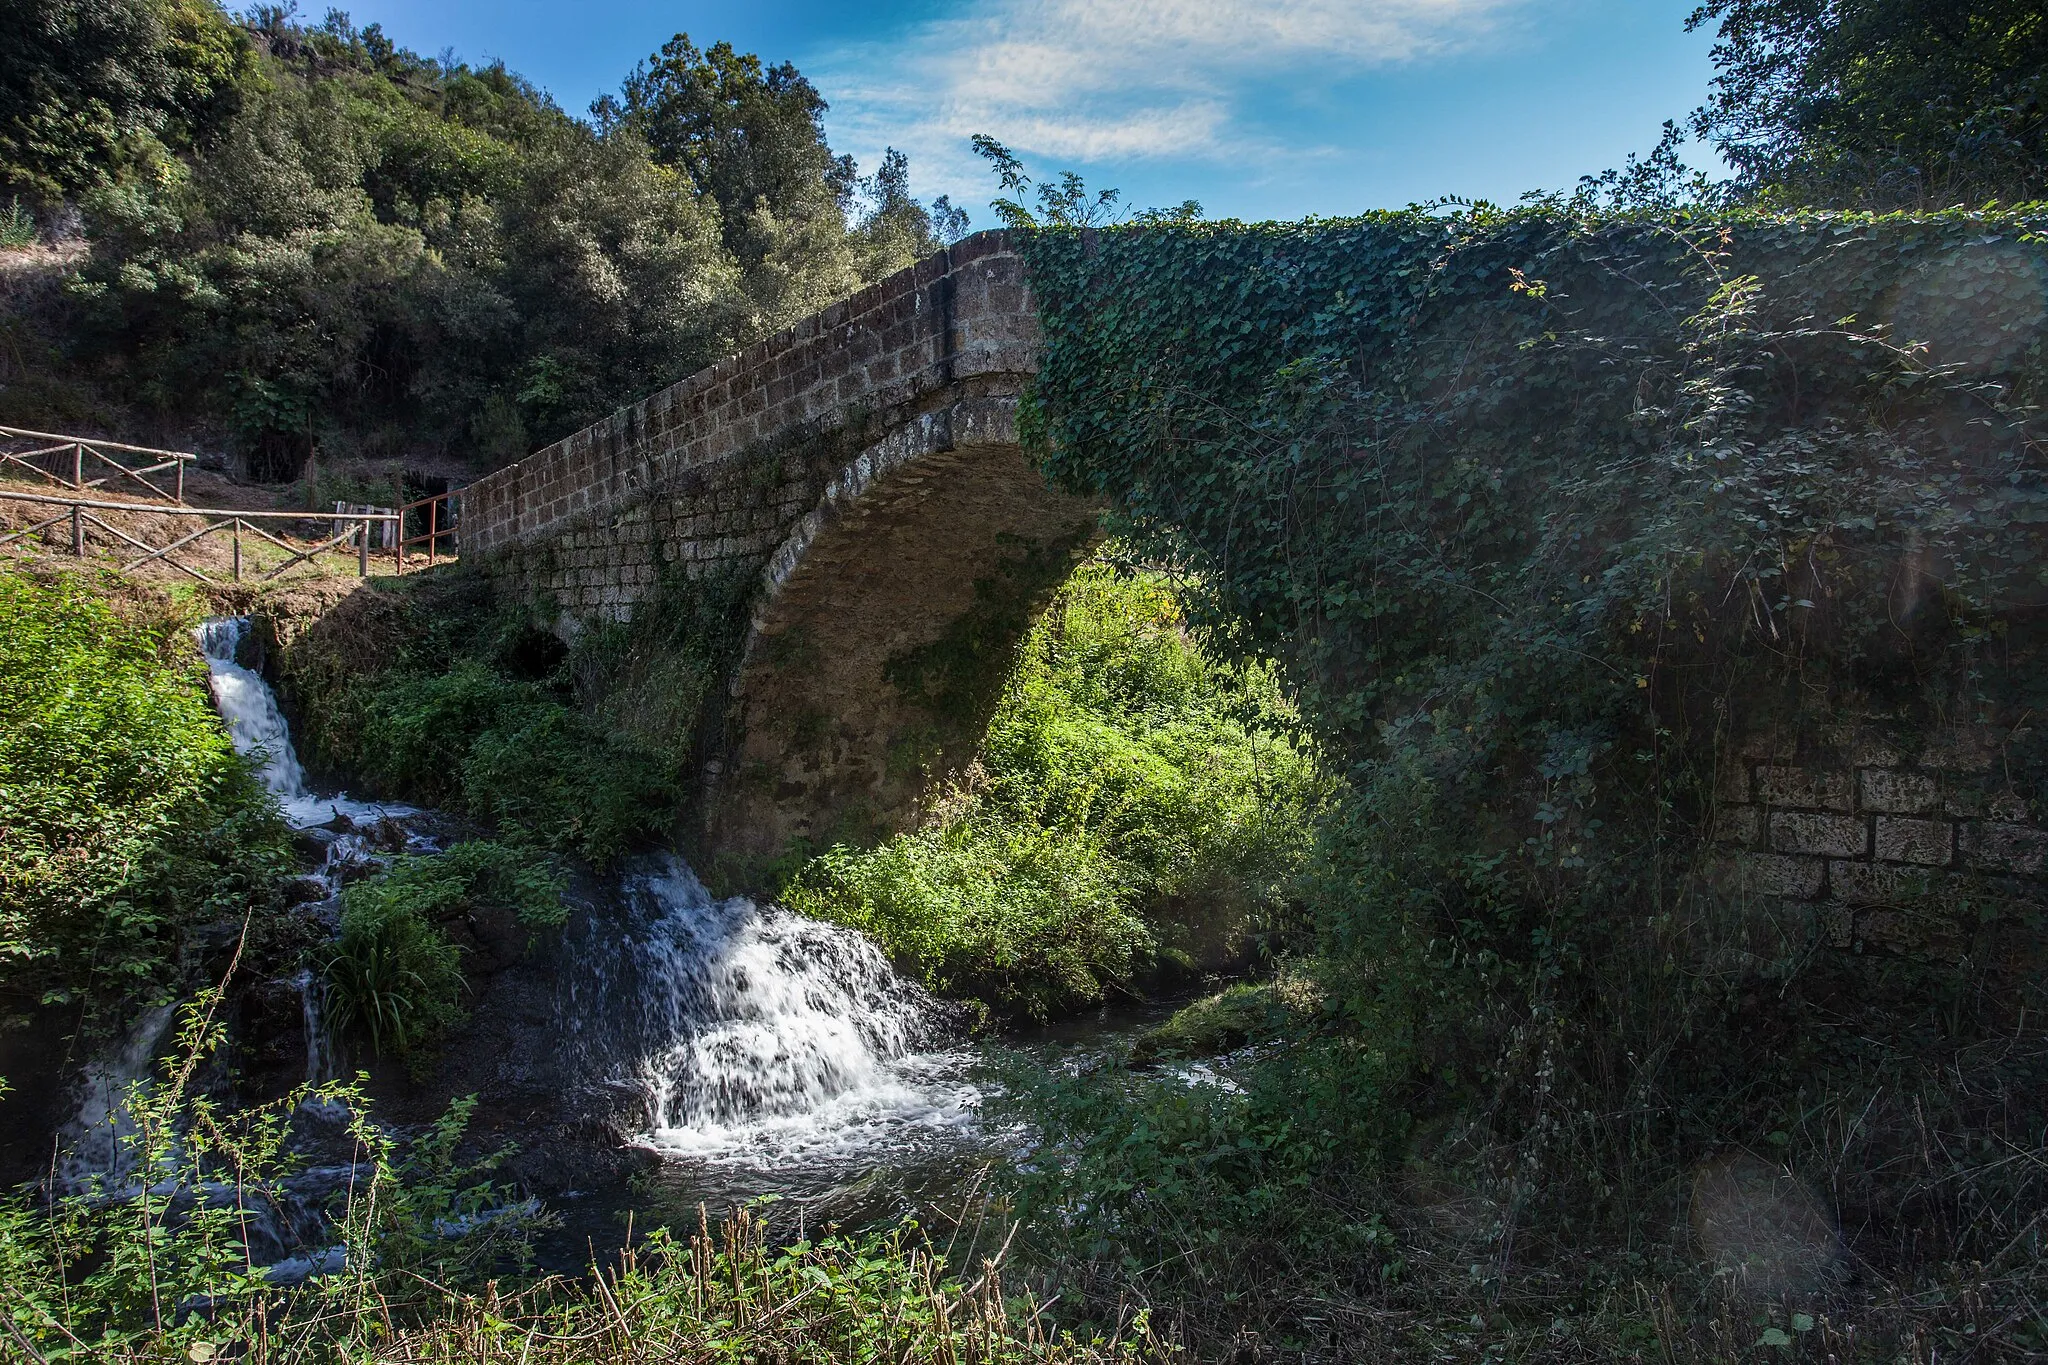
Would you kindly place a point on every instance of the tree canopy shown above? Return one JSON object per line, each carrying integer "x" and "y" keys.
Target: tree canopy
{"x": 309, "y": 240}
{"x": 1881, "y": 103}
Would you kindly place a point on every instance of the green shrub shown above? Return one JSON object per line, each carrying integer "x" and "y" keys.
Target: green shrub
{"x": 17, "y": 228}
{"x": 1248, "y": 1012}
{"x": 393, "y": 975}
{"x": 508, "y": 751}
{"x": 1028, "y": 921}
{"x": 1132, "y": 799}
{"x": 125, "y": 813}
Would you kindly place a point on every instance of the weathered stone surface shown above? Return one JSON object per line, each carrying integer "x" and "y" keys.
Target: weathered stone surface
{"x": 2004, "y": 848}
{"x": 1904, "y": 840}
{"x": 1807, "y": 788}
{"x": 1883, "y": 883}
{"x": 1899, "y": 793}
{"x": 1738, "y": 825}
{"x": 1838, "y": 836}
{"x": 861, "y": 471}
{"x": 1958, "y": 749}
{"x": 1768, "y": 874}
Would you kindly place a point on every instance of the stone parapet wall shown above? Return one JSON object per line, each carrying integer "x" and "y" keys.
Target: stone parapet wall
{"x": 1892, "y": 843}
{"x": 715, "y": 469}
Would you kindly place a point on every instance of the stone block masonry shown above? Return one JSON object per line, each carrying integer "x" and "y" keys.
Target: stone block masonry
{"x": 713, "y": 473}
{"x": 853, "y": 488}
{"x": 1891, "y": 844}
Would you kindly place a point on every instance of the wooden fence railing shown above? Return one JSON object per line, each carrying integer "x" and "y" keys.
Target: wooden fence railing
{"x": 67, "y": 460}
{"x": 355, "y": 532}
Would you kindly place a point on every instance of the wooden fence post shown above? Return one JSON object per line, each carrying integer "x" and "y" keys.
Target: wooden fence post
{"x": 238, "y": 549}
{"x": 78, "y": 464}
{"x": 78, "y": 530}
{"x": 363, "y": 550}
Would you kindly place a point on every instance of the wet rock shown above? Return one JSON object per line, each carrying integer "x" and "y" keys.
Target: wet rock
{"x": 300, "y": 890}
{"x": 313, "y": 843}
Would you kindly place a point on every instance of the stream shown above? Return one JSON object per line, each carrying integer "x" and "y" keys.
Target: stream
{"x": 767, "y": 1055}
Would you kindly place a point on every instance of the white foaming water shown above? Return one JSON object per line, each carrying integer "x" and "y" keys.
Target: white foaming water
{"x": 258, "y": 728}
{"x": 766, "y": 1038}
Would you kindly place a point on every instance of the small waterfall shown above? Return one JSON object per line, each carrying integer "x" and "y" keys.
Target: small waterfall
{"x": 756, "y": 1034}
{"x": 320, "y": 1064}
{"x": 258, "y": 728}
{"x": 747, "y": 1033}
{"x": 96, "y": 1143}
{"x": 250, "y": 709}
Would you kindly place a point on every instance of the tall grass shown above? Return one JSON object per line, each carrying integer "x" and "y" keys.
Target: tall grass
{"x": 1134, "y": 802}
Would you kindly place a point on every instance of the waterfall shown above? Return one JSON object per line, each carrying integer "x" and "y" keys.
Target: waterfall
{"x": 320, "y": 1065}
{"x": 258, "y": 728}
{"x": 96, "y": 1142}
{"x": 753, "y": 1034}
{"x": 745, "y": 1032}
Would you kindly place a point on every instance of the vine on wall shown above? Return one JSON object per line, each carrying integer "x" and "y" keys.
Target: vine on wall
{"x": 1545, "y": 511}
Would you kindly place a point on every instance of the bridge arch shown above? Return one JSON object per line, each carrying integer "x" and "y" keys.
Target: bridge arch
{"x": 862, "y": 470}
{"x": 886, "y": 621}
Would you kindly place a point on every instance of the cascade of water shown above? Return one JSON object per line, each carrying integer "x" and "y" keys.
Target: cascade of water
{"x": 756, "y": 1034}
{"x": 257, "y": 726}
{"x": 250, "y": 709}
{"x": 749, "y": 1033}
{"x": 96, "y": 1143}
{"x": 319, "y": 1043}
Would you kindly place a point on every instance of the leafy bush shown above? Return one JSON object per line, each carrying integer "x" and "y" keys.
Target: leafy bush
{"x": 504, "y": 750}
{"x": 393, "y": 974}
{"x": 1131, "y": 797}
{"x": 125, "y": 814}
{"x": 17, "y": 228}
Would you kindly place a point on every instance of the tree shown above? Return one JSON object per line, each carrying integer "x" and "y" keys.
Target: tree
{"x": 1880, "y": 103}
{"x": 748, "y": 134}
{"x": 87, "y": 85}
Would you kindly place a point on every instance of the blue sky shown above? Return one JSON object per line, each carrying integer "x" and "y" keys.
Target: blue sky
{"x": 1257, "y": 108}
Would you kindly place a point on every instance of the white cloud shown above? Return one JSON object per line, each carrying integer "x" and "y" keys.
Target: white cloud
{"x": 1064, "y": 81}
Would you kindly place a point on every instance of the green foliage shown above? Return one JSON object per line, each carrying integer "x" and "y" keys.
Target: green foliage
{"x": 90, "y": 88}
{"x": 1544, "y": 512}
{"x": 434, "y": 1262}
{"x": 369, "y": 251}
{"x": 393, "y": 975}
{"x": 1881, "y": 103}
{"x": 429, "y": 692}
{"x": 512, "y": 753}
{"x": 113, "y": 1272}
{"x": 125, "y": 815}
{"x": 17, "y": 228}
{"x": 1238, "y": 1016}
{"x": 1125, "y": 777}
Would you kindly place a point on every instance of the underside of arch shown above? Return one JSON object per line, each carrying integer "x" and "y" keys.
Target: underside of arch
{"x": 887, "y": 622}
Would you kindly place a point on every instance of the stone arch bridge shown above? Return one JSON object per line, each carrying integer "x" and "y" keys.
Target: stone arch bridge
{"x": 855, "y": 484}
